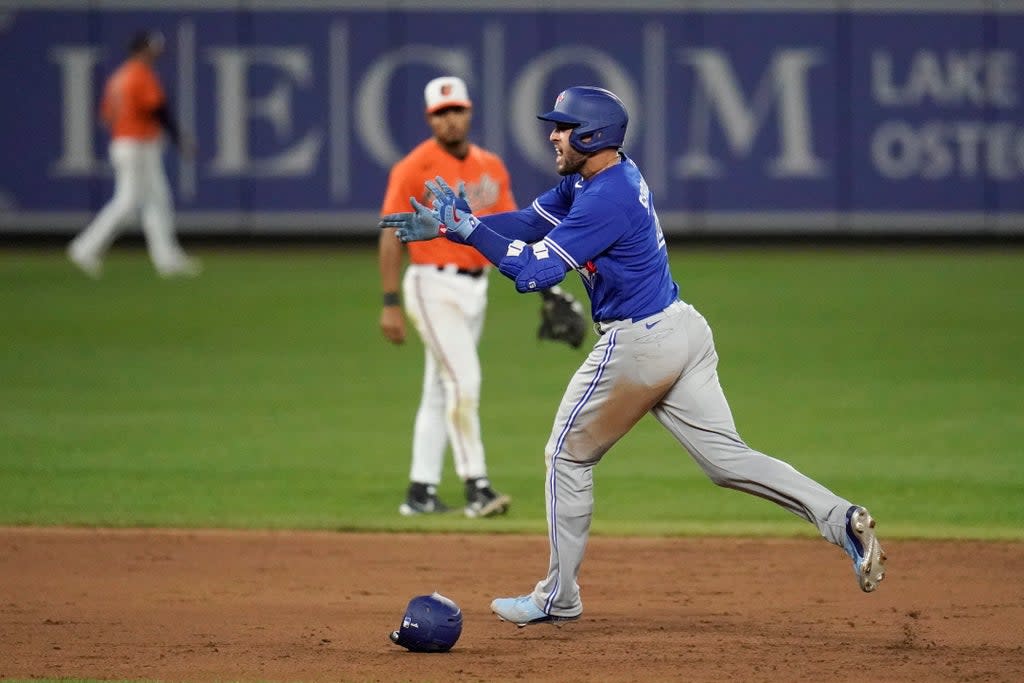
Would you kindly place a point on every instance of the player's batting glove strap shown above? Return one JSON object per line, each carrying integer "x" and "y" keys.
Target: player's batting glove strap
{"x": 452, "y": 210}
{"x": 561, "y": 317}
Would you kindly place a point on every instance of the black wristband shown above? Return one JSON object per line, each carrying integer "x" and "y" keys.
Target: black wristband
{"x": 391, "y": 299}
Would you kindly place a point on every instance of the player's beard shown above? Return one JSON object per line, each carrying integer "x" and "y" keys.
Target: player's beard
{"x": 570, "y": 161}
{"x": 457, "y": 147}
{"x": 452, "y": 133}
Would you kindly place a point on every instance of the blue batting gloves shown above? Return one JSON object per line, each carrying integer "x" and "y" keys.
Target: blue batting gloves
{"x": 452, "y": 211}
{"x": 416, "y": 226}
{"x": 457, "y": 223}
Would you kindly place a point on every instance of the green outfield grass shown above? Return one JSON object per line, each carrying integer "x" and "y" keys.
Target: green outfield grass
{"x": 262, "y": 394}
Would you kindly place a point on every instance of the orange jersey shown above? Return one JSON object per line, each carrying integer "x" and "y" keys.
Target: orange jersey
{"x": 130, "y": 97}
{"x": 487, "y": 188}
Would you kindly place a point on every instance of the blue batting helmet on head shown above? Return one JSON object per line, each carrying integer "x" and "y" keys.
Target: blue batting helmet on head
{"x": 432, "y": 623}
{"x": 593, "y": 112}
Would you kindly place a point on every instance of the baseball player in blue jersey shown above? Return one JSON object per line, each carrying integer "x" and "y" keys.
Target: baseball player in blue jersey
{"x": 655, "y": 352}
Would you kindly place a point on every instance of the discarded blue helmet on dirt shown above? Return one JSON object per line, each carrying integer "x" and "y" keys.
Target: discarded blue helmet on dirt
{"x": 432, "y": 623}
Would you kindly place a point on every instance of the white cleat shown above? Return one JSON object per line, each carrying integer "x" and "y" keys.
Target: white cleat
{"x": 90, "y": 265}
{"x": 522, "y": 612}
{"x": 186, "y": 267}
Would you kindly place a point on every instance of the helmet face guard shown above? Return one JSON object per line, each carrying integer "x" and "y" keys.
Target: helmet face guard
{"x": 593, "y": 113}
{"x": 432, "y": 623}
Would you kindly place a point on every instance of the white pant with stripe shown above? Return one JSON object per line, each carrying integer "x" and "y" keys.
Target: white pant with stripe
{"x": 666, "y": 365}
{"x": 447, "y": 309}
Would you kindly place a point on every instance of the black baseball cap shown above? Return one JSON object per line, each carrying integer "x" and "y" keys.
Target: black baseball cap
{"x": 146, "y": 39}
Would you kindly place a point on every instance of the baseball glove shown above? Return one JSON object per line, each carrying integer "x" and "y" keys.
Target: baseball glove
{"x": 561, "y": 317}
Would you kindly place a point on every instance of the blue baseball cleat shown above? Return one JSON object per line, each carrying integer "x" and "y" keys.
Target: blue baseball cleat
{"x": 522, "y": 612}
{"x": 863, "y": 547}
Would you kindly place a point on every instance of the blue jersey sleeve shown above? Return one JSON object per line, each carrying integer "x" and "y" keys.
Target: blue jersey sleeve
{"x": 525, "y": 224}
{"x": 593, "y": 225}
{"x": 604, "y": 227}
{"x": 513, "y": 240}
{"x": 553, "y": 206}
{"x": 534, "y": 222}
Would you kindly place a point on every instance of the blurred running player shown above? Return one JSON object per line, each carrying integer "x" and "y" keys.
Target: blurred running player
{"x": 134, "y": 108}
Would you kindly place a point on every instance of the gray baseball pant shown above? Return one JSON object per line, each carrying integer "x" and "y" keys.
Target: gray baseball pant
{"x": 666, "y": 365}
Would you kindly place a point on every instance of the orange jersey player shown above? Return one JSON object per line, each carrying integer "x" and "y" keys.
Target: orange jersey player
{"x": 134, "y": 109}
{"x": 486, "y": 183}
{"x": 445, "y": 294}
{"x": 130, "y": 99}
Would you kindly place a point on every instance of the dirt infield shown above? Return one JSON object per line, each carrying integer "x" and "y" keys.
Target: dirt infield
{"x": 286, "y": 606}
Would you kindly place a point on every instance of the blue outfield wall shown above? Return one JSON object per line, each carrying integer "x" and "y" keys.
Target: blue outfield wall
{"x": 806, "y": 116}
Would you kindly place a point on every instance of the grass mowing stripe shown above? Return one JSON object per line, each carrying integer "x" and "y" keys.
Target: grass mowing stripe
{"x": 262, "y": 394}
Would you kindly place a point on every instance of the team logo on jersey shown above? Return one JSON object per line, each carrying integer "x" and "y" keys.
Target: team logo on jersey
{"x": 484, "y": 193}
{"x": 588, "y": 273}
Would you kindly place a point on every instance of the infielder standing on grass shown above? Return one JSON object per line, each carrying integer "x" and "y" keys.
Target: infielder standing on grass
{"x": 655, "y": 352}
{"x": 134, "y": 108}
{"x": 445, "y": 295}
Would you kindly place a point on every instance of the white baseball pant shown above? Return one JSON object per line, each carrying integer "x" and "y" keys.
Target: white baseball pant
{"x": 139, "y": 184}
{"x": 447, "y": 309}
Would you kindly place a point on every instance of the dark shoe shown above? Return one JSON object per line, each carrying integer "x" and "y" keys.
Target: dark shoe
{"x": 483, "y": 501}
{"x": 422, "y": 500}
